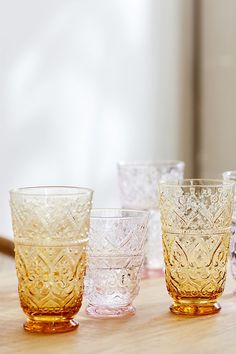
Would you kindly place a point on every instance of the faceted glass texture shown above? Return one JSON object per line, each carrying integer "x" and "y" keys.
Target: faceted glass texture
{"x": 50, "y": 227}
{"x": 231, "y": 176}
{"x": 115, "y": 259}
{"x": 196, "y": 221}
{"x": 139, "y": 190}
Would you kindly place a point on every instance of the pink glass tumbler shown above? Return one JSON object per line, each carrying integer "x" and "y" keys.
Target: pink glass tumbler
{"x": 115, "y": 258}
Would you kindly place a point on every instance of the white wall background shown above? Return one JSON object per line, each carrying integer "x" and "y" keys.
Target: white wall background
{"x": 86, "y": 83}
{"x": 218, "y": 87}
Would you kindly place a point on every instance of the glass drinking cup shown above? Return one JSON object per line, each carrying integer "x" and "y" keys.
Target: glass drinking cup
{"x": 115, "y": 259}
{"x": 50, "y": 227}
{"x": 231, "y": 176}
{"x": 196, "y": 222}
{"x": 138, "y": 183}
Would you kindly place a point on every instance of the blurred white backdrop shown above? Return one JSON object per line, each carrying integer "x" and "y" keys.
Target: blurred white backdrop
{"x": 86, "y": 83}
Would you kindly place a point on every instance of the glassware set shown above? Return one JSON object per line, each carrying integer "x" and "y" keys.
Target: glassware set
{"x": 58, "y": 238}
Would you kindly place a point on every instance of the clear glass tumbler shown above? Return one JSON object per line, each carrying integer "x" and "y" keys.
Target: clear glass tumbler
{"x": 196, "y": 227}
{"x": 50, "y": 227}
{"x": 139, "y": 190}
{"x": 231, "y": 176}
{"x": 115, "y": 259}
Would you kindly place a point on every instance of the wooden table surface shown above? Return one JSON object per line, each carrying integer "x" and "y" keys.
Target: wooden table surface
{"x": 152, "y": 330}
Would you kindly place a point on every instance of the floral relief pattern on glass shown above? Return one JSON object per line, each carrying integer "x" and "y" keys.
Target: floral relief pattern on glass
{"x": 196, "y": 234}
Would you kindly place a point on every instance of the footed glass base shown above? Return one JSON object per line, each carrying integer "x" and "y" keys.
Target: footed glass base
{"x": 109, "y": 312}
{"x": 56, "y": 326}
{"x": 195, "y": 308}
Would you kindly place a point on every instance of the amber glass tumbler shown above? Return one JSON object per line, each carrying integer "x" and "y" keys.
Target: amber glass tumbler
{"x": 50, "y": 227}
{"x": 196, "y": 221}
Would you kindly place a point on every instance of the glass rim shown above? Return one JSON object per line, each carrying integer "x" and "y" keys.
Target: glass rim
{"x": 149, "y": 163}
{"x": 194, "y": 182}
{"x": 134, "y": 213}
{"x": 229, "y": 172}
{"x": 25, "y": 191}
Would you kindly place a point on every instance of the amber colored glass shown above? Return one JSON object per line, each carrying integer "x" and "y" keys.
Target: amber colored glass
{"x": 50, "y": 227}
{"x": 196, "y": 221}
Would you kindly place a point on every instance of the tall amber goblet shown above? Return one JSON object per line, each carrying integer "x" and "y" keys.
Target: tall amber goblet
{"x": 50, "y": 227}
{"x": 196, "y": 221}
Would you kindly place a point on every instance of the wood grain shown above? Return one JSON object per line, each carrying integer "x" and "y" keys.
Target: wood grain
{"x": 152, "y": 330}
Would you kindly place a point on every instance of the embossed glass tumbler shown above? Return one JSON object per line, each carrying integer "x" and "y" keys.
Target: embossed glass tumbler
{"x": 231, "y": 176}
{"x": 50, "y": 227}
{"x": 115, "y": 258}
{"x": 196, "y": 221}
{"x": 138, "y": 183}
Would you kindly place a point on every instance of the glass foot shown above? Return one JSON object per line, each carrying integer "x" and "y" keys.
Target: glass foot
{"x": 152, "y": 273}
{"x": 40, "y": 326}
{"x": 195, "y": 308}
{"x": 107, "y": 312}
